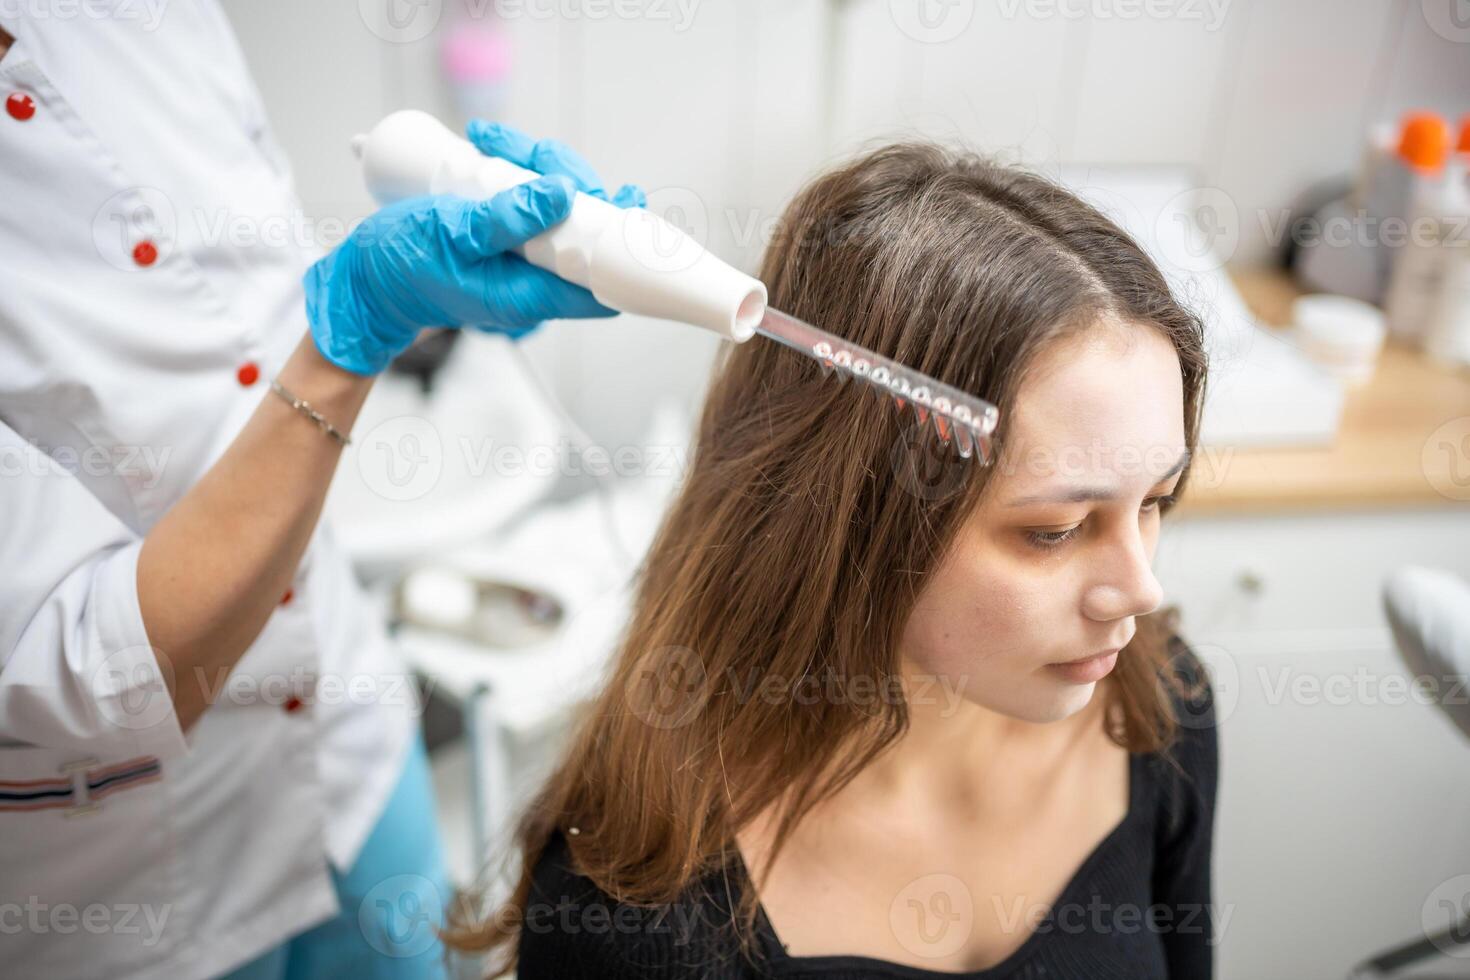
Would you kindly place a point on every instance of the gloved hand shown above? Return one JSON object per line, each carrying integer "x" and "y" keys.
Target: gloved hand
{"x": 445, "y": 261}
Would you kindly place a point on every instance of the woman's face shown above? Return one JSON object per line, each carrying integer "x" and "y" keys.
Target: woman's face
{"x": 1055, "y": 563}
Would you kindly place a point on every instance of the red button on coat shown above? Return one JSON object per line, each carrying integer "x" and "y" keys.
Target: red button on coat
{"x": 20, "y": 106}
{"x": 248, "y": 374}
{"x": 293, "y": 705}
{"x": 145, "y": 253}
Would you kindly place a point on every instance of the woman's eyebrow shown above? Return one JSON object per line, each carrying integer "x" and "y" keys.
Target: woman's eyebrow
{"x": 1078, "y": 495}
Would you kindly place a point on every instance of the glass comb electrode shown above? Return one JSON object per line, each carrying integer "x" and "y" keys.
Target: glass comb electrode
{"x": 634, "y": 261}
{"x": 958, "y": 419}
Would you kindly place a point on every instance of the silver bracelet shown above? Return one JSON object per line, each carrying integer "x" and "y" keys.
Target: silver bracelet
{"x": 305, "y": 409}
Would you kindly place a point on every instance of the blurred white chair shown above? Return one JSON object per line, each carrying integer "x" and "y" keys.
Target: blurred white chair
{"x": 1429, "y": 613}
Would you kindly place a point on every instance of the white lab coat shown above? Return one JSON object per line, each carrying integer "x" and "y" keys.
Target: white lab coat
{"x": 140, "y": 324}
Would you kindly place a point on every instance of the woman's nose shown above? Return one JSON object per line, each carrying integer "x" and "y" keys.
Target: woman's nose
{"x": 1124, "y": 584}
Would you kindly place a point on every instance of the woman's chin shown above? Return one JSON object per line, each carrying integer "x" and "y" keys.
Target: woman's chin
{"x": 1061, "y": 700}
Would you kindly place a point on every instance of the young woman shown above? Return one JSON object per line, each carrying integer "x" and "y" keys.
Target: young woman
{"x": 880, "y": 712}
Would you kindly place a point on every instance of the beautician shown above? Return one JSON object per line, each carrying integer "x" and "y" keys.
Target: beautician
{"x": 209, "y": 760}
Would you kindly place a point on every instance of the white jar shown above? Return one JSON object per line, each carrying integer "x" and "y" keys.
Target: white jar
{"x": 1342, "y": 334}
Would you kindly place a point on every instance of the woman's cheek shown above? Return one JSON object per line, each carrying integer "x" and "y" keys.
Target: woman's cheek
{"x": 968, "y": 623}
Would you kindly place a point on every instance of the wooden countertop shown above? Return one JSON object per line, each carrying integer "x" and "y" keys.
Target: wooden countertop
{"x": 1404, "y": 440}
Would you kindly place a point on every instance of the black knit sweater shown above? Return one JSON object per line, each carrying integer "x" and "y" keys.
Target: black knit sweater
{"x": 1137, "y": 908}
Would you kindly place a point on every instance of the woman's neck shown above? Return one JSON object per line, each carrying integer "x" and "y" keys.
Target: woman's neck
{"x": 955, "y": 764}
{"x": 954, "y": 748}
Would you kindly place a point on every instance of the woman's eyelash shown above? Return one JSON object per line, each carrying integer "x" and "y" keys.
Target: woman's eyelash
{"x": 1052, "y": 539}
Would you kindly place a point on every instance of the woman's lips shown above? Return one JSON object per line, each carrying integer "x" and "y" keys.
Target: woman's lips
{"x": 1087, "y": 670}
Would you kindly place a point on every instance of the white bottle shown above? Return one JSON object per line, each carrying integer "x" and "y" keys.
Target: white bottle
{"x": 1447, "y": 326}
{"x": 1417, "y": 265}
{"x": 1382, "y": 187}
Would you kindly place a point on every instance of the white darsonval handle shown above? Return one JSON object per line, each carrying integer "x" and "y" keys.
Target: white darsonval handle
{"x": 631, "y": 260}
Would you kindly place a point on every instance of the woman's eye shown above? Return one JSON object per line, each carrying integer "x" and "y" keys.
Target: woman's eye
{"x": 1052, "y": 539}
{"x": 1165, "y": 500}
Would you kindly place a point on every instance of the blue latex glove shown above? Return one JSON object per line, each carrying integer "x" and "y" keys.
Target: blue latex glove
{"x": 445, "y": 261}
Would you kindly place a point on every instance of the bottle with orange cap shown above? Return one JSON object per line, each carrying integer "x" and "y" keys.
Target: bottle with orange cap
{"x": 1447, "y": 330}
{"x": 1417, "y": 263}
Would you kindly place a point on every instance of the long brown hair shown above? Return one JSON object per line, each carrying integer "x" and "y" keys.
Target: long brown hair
{"x": 805, "y": 528}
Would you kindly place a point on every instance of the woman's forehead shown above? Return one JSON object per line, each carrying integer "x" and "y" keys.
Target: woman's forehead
{"x": 1100, "y": 406}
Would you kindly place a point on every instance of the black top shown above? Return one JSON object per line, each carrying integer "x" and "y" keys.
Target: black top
{"x": 1137, "y": 908}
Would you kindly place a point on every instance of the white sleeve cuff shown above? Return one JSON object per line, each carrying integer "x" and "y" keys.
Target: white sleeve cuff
{"x": 129, "y": 678}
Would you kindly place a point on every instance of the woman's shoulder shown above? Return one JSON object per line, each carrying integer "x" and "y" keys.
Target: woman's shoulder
{"x": 571, "y": 928}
